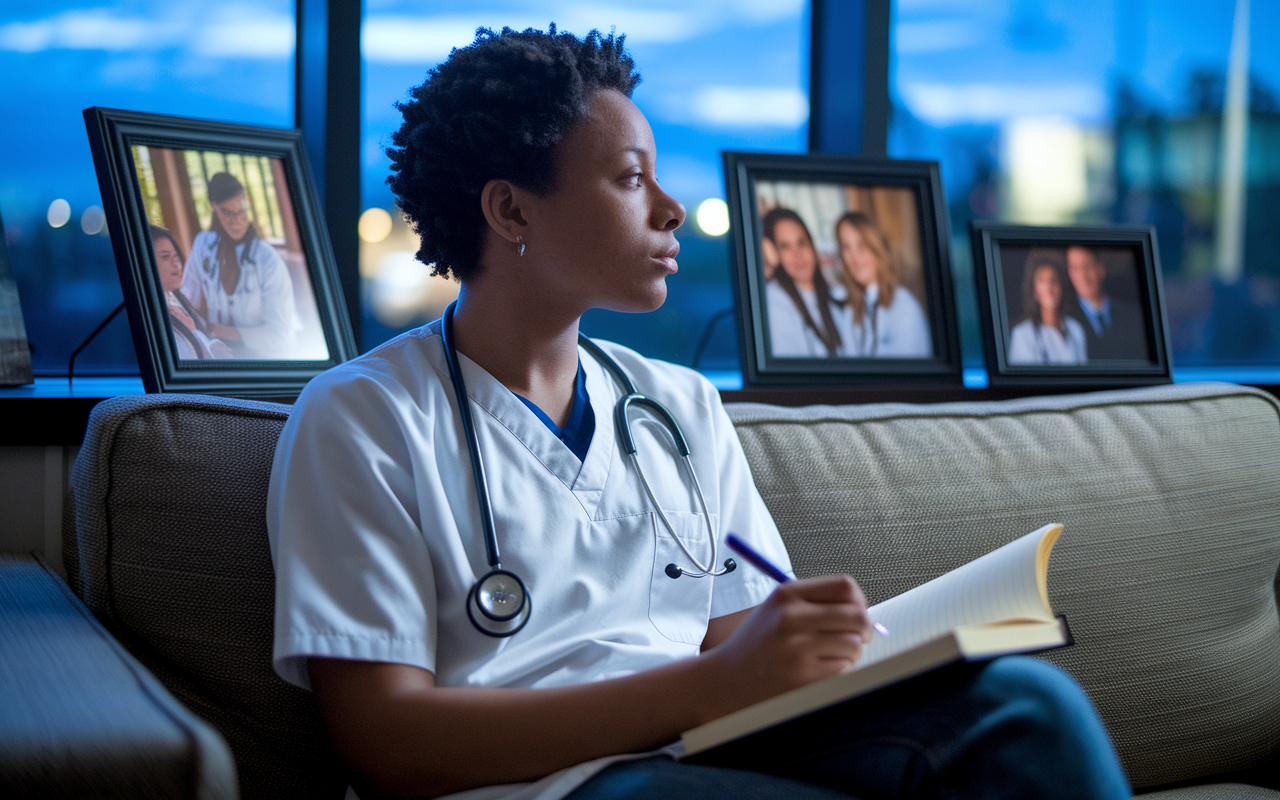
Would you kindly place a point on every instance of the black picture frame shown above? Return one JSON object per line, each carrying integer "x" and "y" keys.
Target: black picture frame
{"x": 15, "y": 351}
{"x": 277, "y": 157}
{"x": 914, "y": 189}
{"x": 1133, "y": 345}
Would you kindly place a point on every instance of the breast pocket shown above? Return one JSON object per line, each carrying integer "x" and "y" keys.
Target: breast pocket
{"x": 680, "y": 608}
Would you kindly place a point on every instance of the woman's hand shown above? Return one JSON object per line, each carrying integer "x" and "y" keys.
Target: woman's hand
{"x": 227, "y": 333}
{"x": 806, "y": 630}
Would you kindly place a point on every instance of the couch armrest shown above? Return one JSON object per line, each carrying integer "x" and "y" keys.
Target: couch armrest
{"x": 80, "y": 716}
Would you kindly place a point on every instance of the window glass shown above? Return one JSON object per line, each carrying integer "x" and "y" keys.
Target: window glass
{"x": 1046, "y": 111}
{"x": 218, "y": 60}
{"x": 717, "y": 74}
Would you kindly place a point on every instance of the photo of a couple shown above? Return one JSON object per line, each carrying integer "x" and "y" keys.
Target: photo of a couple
{"x": 1072, "y": 305}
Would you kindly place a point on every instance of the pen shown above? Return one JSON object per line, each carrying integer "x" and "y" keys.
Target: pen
{"x": 764, "y": 565}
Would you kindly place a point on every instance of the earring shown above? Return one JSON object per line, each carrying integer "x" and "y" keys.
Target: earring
{"x": 520, "y": 241}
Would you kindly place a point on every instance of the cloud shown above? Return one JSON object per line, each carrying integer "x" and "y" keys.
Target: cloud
{"x": 750, "y": 106}
{"x": 88, "y": 29}
{"x": 427, "y": 39}
{"x": 950, "y": 104}
{"x": 234, "y": 32}
{"x": 397, "y": 39}
{"x": 934, "y": 36}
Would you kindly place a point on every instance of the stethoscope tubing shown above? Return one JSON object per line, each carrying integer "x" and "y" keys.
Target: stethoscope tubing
{"x": 503, "y": 625}
{"x": 473, "y": 442}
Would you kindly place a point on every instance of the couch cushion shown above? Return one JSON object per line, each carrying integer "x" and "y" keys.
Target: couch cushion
{"x": 1215, "y": 791}
{"x": 1166, "y": 569}
{"x": 170, "y": 550}
{"x": 79, "y": 716}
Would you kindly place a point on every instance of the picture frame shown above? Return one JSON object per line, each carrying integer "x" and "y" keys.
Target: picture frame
{"x": 228, "y": 275}
{"x": 1103, "y": 326}
{"x": 841, "y": 271}
{"x": 15, "y": 351}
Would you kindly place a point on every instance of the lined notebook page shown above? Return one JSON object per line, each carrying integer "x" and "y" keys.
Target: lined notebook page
{"x": 1001, "y": 585}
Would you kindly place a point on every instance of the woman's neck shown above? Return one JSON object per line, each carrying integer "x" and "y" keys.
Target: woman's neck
{"x": 1051, "y": 317}
{"x": 513, "y": 336}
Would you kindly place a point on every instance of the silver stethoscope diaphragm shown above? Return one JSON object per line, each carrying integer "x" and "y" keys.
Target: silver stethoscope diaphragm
{"x": 498, "y": 603}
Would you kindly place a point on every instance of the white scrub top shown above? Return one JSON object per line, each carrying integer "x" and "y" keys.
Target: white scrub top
{"x": 1040, "y": 344}
{"x": 262, "y": 307}
{"x": 789, "y": 336}
{"x": 897, "y": 331}
{"x": 376, "y": 539}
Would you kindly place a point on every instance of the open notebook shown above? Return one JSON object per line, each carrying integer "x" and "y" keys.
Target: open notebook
{"x": 994, "y": 605}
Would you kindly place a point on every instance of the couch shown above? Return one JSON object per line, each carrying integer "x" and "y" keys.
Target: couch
{"x": 1167, "y": 570}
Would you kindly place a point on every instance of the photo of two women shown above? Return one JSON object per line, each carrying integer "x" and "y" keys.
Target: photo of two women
{"x": 843, "y": 271}
{"x": 228, "y": 256}
{"x": 1072, "y": 305}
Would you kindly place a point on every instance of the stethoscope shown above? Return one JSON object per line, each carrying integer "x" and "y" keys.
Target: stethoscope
{"x": 498, "y": 603}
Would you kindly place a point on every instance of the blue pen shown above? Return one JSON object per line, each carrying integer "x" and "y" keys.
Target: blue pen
{"x": 764, "y": 565}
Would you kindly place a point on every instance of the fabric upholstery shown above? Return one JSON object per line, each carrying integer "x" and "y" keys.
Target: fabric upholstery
{"x": 1166, "y": 570}
{"x": 80, "y": 717}
{"x": 170, "y": 549}
{"x": 1216, "y": 791}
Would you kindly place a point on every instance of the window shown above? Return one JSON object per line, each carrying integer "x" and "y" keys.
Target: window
{"x": 716, "y": 75}
{"x": 1111, "y": 111}
{"x": 212, "y": 59}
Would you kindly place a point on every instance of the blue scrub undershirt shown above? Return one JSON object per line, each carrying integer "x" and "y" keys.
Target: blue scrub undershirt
{"x": 581, "y": 425}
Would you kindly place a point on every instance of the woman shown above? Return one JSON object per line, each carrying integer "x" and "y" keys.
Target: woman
{"x": 804, "y": 320}
{"x": 887, "y": 320}
{"x": 548, "y": 207}
{"x": 1045, "y": 335}
{"x": 238, "y": 281}
{"x": 190, "y": 332}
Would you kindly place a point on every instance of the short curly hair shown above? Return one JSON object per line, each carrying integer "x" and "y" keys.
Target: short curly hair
{"x": 495, "y": 109}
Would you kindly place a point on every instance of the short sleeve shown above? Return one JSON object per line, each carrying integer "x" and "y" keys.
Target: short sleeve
{"x": 354, "y": 575}
{"x": 742, "y": 512}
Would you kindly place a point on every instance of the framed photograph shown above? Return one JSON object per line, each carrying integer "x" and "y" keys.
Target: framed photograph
{"x": 15, "y": 354}
{"x": 841, "y": 271}
{"x": 1078, "y": 306}
{"x": 225, "y": 263}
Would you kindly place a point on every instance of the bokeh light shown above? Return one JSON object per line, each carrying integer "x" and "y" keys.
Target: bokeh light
{"x": 59, "y": 213}
{"x": 713, "y": 217}
{"x": 375, "y": 225}
{"x": 92, "y": 221}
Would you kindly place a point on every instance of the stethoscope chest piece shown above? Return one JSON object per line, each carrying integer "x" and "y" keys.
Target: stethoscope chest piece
{"x": 498, "y": 603}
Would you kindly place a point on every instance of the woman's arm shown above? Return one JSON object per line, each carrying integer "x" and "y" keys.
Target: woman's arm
{"x": 275, "y": 328}
{"x": 408, "y": 738}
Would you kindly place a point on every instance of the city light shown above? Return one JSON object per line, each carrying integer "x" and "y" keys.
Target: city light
{"x": 375, "y": 225}
{"x": 92, "y": 221}
{"x": 59, "y": 213}
{"x": 713, "y": 217}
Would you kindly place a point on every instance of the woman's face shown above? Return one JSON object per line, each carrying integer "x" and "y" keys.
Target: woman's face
{"x": 604, "y": 237}
{"x": 859, "y": 261}
{"x": 1048, "y": 289}
{"x": 231, "y": 213}
{"x": 168, "y": 264}
{"x": 795, "y": 251}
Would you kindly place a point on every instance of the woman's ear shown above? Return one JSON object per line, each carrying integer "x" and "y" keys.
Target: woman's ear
{"x": 502, "y": 204}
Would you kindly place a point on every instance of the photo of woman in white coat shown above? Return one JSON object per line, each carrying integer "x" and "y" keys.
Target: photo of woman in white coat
{"x": 887, "y": 320}
{"x": 804, "y": 319}
{"x": 238, "y": 282}
{"x": 1045, "y": 335}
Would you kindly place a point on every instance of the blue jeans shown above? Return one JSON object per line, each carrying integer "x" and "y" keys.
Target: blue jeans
{"x": 1010, "y": 728}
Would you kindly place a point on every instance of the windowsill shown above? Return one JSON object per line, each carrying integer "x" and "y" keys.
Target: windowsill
{"x": 49, "y": 412}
